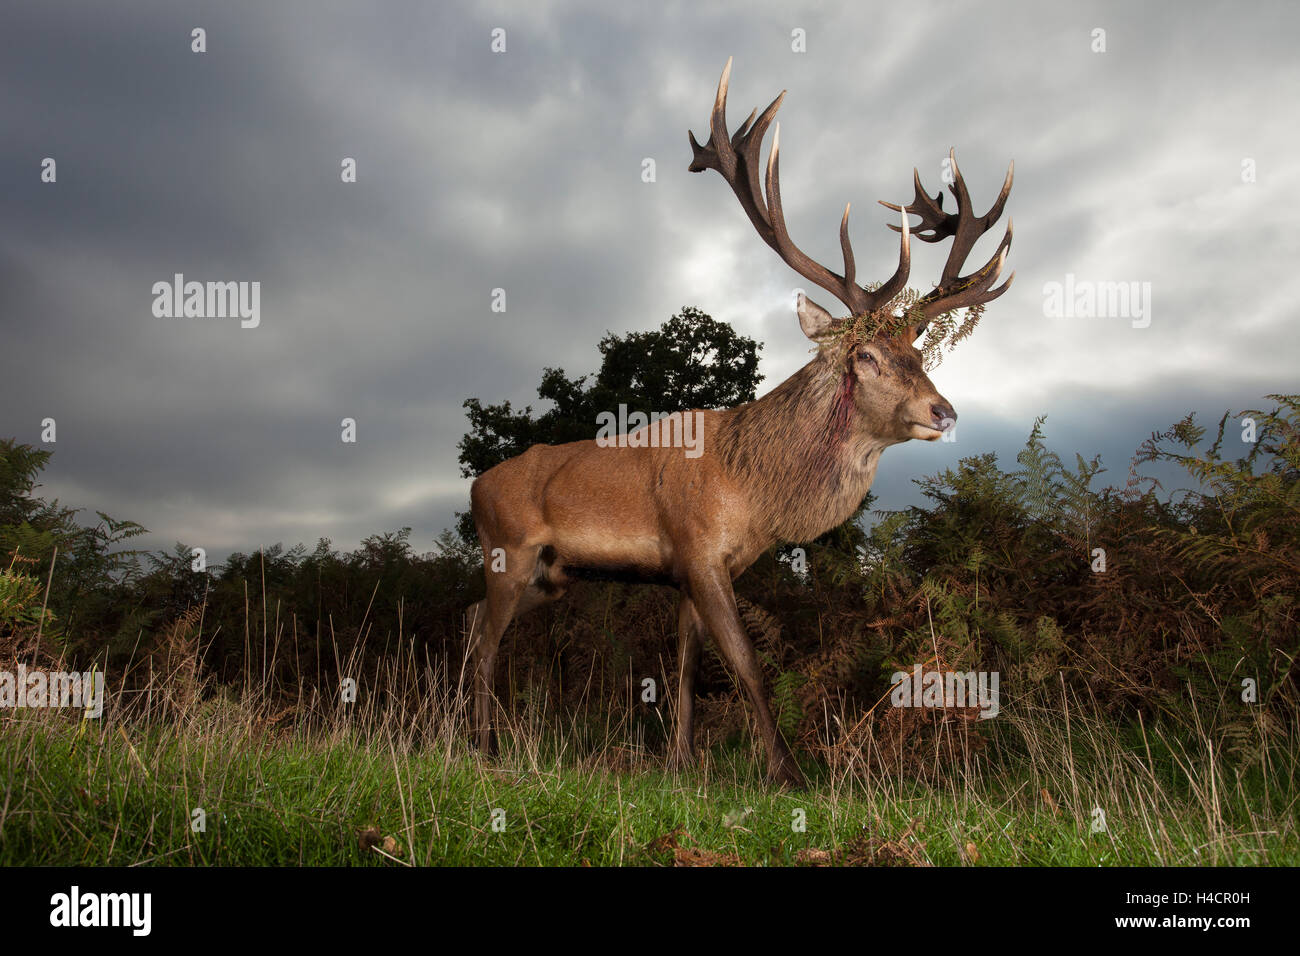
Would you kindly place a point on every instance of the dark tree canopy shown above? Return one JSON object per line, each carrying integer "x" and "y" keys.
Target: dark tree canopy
{"x": 691, "y": 361}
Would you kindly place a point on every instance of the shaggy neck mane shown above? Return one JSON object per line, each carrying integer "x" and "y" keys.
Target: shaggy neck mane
{"x": 799, "y": 452}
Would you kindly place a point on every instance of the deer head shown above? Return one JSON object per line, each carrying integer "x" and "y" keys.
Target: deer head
{"x": 873, "y": 348}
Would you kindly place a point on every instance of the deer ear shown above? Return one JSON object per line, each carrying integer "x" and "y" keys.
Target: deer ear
{"x": 813, "y": 319}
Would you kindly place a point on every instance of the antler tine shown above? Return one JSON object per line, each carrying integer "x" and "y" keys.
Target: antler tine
{"x": 852, "y": 295}
{"x": 751, "y": 144}
{"x": 739, "y": 134}
{"x": 717, "y": 152}
{"x": 846, "y": 247}
{"x": 718, "y": 125}
{"x": 765, "y": 211}
{"x": 967, "y": 227}
{"x": 971, "y": 290}
{"x": 934, "y": 220}
{"x": 954, "y": 290}
{"x": 720, "y": 153}
{"x": 898, "y": 280}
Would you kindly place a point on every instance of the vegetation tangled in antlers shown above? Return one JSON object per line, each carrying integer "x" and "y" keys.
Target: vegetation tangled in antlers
{"x": 942, "y": 333}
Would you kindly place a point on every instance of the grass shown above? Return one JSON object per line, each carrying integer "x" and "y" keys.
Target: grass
{"x": 391, "y": 782}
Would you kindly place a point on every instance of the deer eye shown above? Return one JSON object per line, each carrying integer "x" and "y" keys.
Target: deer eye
{"x": 869, "y": 360}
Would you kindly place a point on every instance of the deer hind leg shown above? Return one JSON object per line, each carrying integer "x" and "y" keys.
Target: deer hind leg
{"x": 689, "y": 643}
{"x": 489, "y": 619}
{"x": 522, "y": 582}
{"x": 716, "y": 602}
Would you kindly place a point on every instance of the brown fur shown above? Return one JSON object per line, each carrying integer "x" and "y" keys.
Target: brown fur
{"x": 797, "y": 452}
{"x": 786, "y": 467}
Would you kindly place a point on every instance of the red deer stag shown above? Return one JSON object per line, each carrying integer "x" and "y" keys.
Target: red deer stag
{"x": 785, "y": 468}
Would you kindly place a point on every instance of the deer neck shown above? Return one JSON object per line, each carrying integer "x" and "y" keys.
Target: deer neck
{"x": 802, "y": 452}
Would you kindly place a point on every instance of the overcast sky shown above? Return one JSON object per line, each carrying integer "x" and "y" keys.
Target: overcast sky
{"x": 522, "y": 170}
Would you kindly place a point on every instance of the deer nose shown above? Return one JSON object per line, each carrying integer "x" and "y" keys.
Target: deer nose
{"x": 943, "y": 416}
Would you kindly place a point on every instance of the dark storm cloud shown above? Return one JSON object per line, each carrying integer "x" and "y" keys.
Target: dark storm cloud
{"x": 523, "y": 171}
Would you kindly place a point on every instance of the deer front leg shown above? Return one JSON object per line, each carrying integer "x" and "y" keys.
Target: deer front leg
{"x": 689, "y": 644}
{"x": 716, "y": 603}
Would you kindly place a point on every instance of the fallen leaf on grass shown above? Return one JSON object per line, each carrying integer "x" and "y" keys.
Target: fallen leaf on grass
{"x": 813, "y": 856}
{"x": 906, "y": 850}
{"x": 368, "y": 837}
{"x": 690, "y": 855}
{"x": 371, "y": 839}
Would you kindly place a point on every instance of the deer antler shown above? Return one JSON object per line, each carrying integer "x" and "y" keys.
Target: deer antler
{"x": 744, "y": 145}
{"x": 954, "y": 290}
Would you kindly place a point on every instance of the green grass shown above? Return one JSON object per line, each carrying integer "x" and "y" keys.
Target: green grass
{"x": 122, "y": 792}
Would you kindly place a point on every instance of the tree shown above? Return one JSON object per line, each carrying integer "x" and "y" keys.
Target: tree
{"x": 691, "y": 361}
